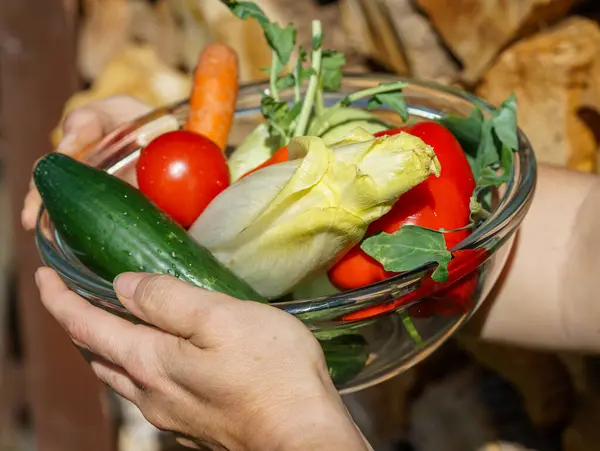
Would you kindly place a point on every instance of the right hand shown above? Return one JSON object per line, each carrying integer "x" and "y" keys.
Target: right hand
{"x": 228, "y": 374}
{"x": 82, "y": 127}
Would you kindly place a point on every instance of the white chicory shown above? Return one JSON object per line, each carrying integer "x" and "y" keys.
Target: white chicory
{"x": 289, "y": 221}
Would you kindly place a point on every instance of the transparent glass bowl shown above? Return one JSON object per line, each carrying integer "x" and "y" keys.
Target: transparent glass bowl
{"x": 373, "y": 311}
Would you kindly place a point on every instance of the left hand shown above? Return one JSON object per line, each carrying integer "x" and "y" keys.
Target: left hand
{"x": 231, "y": 374}
{"x": 81, "y": 127}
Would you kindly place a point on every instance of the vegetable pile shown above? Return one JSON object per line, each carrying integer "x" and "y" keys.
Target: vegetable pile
{"x": 317, "y": 199}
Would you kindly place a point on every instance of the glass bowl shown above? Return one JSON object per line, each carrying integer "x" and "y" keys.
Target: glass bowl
{"x": 372, "y": 328}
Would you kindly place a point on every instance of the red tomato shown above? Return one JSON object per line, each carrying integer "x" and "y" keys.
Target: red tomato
{"x": 182, "y": 172}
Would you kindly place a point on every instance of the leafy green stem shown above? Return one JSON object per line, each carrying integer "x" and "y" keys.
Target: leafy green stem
{"x": 297, "y": 93}
{"x": 370, "y": 92}
{"x": 274, "y": 74}
{"x": 313, "y": 83}
{"x": 412, "y": 331}
{"x": 459, "y": 229}
{"x": 319, "y": 101}
{"x": 355, "y": 96}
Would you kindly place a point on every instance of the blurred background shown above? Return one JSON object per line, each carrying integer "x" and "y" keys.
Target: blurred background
{"x": 58, "y": 54}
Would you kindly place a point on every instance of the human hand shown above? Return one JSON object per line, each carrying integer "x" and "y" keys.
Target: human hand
{"x": 232, "y": 374}
{"x": 82, "y": 127}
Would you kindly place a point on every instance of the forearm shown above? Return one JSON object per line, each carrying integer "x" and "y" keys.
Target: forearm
{"x": 547, "y": 294}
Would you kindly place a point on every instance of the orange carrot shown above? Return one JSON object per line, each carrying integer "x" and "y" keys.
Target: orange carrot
{"x": 214, "y": 93}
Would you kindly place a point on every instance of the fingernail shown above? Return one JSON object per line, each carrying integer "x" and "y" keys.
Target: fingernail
{"x": 125, "y": 284}
{"x": 37, "y": 277}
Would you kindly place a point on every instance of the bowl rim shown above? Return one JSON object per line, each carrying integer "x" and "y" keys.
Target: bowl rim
{"x": 507, "y": 216}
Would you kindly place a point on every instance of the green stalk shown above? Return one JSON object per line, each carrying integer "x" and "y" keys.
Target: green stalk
{"x": 319, "y": 101}
{"x": 460, "y": 229}
{"x": 273, "y": 76}
{"x": 410, "y": 328}
{"x": 351, "y": 98}
{"x": 369, "y": 92}
{"x": 297, "y": 94}
{"x": 313, "y": 84}
{"x": 297, "y": 71}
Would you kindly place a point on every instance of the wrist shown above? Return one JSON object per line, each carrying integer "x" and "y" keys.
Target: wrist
{"x": 318, "y": 423}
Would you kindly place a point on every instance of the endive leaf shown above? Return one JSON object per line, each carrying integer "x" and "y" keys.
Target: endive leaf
{"x": 287, "y": 222}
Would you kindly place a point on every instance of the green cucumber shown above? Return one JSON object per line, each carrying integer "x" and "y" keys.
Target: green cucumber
{"x": 113, "y": 228}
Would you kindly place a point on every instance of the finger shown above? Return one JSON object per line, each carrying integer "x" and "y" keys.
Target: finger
{"x": 31, "y": 208}
{"x": 119, "y": 109}
{"x": 116, "y": 378}
{"x": 171, "y": 304}
{"x": 102, "y": 333}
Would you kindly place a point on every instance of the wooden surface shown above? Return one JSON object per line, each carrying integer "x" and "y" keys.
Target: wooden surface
{"x": 37, "y": 75}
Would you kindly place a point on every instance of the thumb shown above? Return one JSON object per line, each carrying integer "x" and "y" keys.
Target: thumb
{"x": 168, "y": 303}
{"x": 80, "y": 127}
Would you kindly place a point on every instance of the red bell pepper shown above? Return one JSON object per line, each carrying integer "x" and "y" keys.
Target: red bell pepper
{"x": 450, "y": 298}
{"x": 437, "y": 203}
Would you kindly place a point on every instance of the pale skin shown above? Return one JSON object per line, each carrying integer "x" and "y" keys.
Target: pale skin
{"x": 224, "y": 390}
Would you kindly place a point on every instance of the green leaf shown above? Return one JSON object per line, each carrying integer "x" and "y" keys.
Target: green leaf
{"x": 331, "y": 70}
{"x": 301, "y": 73}
{"x": 394, "y": 100}
{"x": 486, "y": 152}
{"x": 246, "y": 10}
{"x": 281, "y": 40}
{"x": 505, "y": 123}
{"x": 304, "y": 74}
{"x": 299, "y": 76}
{"x": 498, "y": 139}
{"x": 471, "y": 161}
{"x": 302, "y": 55}
{"x": 292, "y": 114}
{"x": 273, "y": 109}
{"x": 279, "y": 115}
{"x": 276, "y": 113}
{"x": 478, "y": 211}
{"x": 467, "y": 130}
{"x": 506, "y": 161}
{"x": 285, "y": 82}
{"x": 410, "y": 248}
{"x": 497, "y": 177}
{"x": 484, "y": 195}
